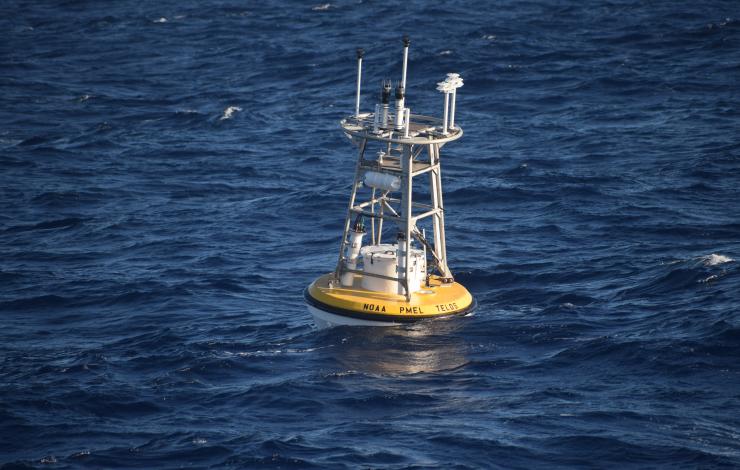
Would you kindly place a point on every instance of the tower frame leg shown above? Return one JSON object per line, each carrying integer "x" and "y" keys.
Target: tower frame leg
{"x": 348, "y": 220}
{"x": 407, "y": 215}
{"x": 435, "y": 184}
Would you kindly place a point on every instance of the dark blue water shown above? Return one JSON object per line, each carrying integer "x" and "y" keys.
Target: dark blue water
{"x": 172, "y": 177}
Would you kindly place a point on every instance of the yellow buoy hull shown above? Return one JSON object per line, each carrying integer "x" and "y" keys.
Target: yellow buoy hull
{"x": 361, "y": 306}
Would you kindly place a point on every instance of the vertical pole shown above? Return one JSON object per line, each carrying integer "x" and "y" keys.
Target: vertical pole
{"x": 447, "y": 106}
{"x": 424, "y": 257}
{"x": 347, "y": 222}
{"x": 407, "y": 118}
{"x": 407, "y": 217}
{"x": 452, "y": 108}
{"x": 360, "y": 53}
{"x": 380, "y": 222}
{"x": 372, "y": 219}
{"x": 406, "y": 42}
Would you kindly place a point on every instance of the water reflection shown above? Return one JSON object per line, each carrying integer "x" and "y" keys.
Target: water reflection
{"x": 429, "y": 346}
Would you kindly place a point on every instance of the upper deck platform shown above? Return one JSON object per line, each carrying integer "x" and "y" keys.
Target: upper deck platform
{"x": 423, "y": 130}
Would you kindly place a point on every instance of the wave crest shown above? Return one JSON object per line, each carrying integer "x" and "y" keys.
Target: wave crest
{"x": 229, "y": 112}
{"x": 715, "y": 259}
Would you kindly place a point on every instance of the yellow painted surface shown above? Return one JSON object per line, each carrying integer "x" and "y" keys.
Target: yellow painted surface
{"x": 436, "y": 300}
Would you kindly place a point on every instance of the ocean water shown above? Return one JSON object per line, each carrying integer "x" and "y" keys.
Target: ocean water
{"x": 172, "y": 176}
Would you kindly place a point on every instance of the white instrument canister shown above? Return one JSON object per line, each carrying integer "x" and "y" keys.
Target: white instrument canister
{"x": 382, "y": 181}
{"x": 383, "y": 260}
{"x": 379, "y": 259}
{"x": 353, "y": 251}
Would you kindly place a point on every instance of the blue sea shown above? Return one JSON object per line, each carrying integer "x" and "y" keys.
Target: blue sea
{"x": 172, "y": 176}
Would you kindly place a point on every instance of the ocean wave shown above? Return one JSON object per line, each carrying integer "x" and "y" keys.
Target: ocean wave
{"x": 715, "y": 259}
{"x": 229, "y": 112}
{"x": 48, "y": 225}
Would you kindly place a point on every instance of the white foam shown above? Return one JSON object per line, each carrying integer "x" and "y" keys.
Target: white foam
{"x": 447, "y": 52}
{"x": 275, "y": 352}
{"x": 322, "y": 7}
{"x": 715, "y": 259}
{"x": 490, "y": 37}
{"x": 161, "y": 20}
{"x": 228, "y": 112}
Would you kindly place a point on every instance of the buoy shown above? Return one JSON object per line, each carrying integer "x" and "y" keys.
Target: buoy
{"x": 407, "y": 279}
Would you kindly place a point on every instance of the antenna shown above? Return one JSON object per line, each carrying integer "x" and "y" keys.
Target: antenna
{"x": 406, "y": 42}
{"x": 360, "y": 53}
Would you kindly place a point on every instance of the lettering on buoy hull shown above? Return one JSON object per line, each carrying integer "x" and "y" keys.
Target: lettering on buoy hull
{"x": 450, "y": 307}
{"x": 441, "y": 308}
{"x": 411, "y": 310}
{"x": 373, "y": 308}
